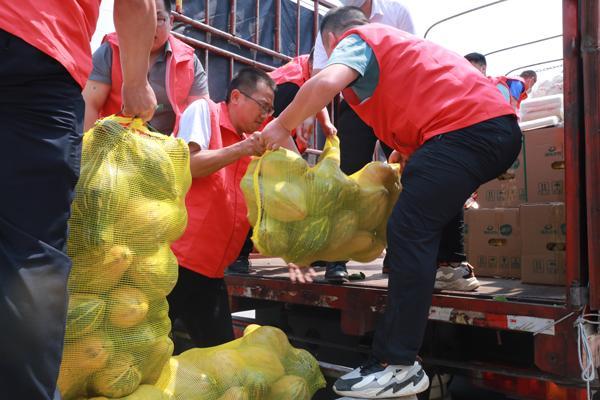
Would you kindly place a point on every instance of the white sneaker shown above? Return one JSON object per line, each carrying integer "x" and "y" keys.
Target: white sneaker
{"x": 456, "y": 276}
{"x": 374, "y": 381}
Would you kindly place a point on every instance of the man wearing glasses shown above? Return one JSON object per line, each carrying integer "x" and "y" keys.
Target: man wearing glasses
{"x": 176, "y": 76}
{"x": 221, "y": 143}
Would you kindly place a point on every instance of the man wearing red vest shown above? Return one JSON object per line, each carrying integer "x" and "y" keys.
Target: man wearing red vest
{"x": 220, "y": 147}
{"x": 515, "y": 89}
{"x": 176, "y": 76}
{"x": 288, "y": 78}
{"x": 46, "y": 59}
{"x": 432, "y": 105}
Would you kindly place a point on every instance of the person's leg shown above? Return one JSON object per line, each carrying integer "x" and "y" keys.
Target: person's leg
{"x": 454, "y": 272}
{"x": 357, "y": 140}
{"x": 179, "y": 300}
{"x": 203, "y": 308}
{"x": 452, "y": 243}
{"x": 357, "y": 143}
{"x": 242, "y": 263}
{"x": 41, "y": 115}
{"x": 437, "y": 180}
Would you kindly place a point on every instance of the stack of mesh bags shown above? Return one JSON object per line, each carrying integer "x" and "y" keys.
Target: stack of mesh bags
{"x": 262, "y": 365}
{"x": 128, "y": 208}
{"x": 303, "y": 214}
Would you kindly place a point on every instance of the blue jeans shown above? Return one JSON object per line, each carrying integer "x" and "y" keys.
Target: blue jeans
{"x": 41, "y": 120}
{"x": 437, "y": 181}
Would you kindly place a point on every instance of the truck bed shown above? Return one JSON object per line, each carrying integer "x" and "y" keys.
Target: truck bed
{"x": 498, "y": 303}
{"x": 491, "y": 288}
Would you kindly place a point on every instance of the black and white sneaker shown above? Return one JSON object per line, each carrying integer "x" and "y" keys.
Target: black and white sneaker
{"x": 375, "y": 381}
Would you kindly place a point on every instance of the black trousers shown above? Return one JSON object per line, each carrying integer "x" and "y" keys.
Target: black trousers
{"x": 357, "y": 140}
{"x": 202, "y": 304}
{"x": 41, "y": 120}
{"x": 437, "y": 180}
{"x": 357, "y": 146}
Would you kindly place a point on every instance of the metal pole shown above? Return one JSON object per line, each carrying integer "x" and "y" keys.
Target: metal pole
{"x": 522, "y": 44}
{"x": 533, "y": 65}
{"x": 257, "y": 25}
{"x": 223, "y": 53}
{"x": 277, "y": 40}
{"x": 461, "y": 13}
{"x": 234, "y": 39}
{"x": 232, "y": 24}
{"x": 590, "y": 46}
{"x": 297, "y": 28}
{"x": 315, "y": 19}
{"x": 207, "y": 21}
{"x": 573, "y": 104}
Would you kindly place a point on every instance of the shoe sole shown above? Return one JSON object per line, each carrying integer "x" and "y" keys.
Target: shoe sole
{"x": 337, "y": 281}
{"x": 461, "y": 285}
{"x": 371, "y": 393}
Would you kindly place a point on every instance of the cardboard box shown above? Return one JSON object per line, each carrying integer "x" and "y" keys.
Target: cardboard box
{"x": 545, "y": 165}
{"x": 508, "y": 190}
{"x": 494, "y": 242}
{"x": 543, "y": 232}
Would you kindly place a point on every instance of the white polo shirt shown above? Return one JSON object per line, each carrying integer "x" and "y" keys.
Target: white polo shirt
{"x": 388, "y": 12}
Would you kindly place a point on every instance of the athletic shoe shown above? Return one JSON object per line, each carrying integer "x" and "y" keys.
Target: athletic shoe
{"x": 377, "y": 381}
{"x": 456, "y": 276}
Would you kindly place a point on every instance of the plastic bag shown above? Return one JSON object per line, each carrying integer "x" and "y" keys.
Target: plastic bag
{"x": 303, "y": 214}
{"x": 128, "y": 208}
{"x": 262, "y": 365}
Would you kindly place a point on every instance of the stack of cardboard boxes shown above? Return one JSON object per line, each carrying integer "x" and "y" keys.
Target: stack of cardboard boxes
{"x": 519, "y": 229}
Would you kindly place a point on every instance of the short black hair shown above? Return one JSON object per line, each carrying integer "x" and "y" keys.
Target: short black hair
{"x": 528, "y": 73}
{"x": 247, "y": 79}
{"x": 168, "y": 6}
{"x": 339, "y": 20}
{"x": 476, "y": 58}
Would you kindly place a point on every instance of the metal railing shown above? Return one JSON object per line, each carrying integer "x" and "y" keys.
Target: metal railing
{"x": 270, "y": 57}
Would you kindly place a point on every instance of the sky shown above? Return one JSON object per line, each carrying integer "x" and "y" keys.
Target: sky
{"x": 492, "y": 28}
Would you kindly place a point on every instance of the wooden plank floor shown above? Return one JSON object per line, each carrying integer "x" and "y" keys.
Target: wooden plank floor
{"x": 496, "y": 288}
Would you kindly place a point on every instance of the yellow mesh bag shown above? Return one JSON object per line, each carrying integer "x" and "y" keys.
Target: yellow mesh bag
{"x": 303, "y": 214}
{"x": 262, "y": 365}
{"x": 128, "y": 208}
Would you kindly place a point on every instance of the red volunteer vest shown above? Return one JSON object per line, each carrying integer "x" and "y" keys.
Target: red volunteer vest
{"x": 179, "y": 79}
{"x": 60, "y": 28}
{"x": 503, "y": 80}
{"x": 217, "y": 222}
{"x": 424, "y": 90}
{"x": 296, "y": 71}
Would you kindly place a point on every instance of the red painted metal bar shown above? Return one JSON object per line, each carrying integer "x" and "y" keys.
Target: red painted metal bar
{"x": 277, "y": 31}
{"x": 371, "y": 299}
{"x": 573, "y": 145}
{"x": 360, "y": 305}
{"x": 223, "y": 53}
{"x": 232, "y": 23}
{"x": 590, "y": 47}
{"x": 297, "y": 28}
{"x": 234, "y": 39}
